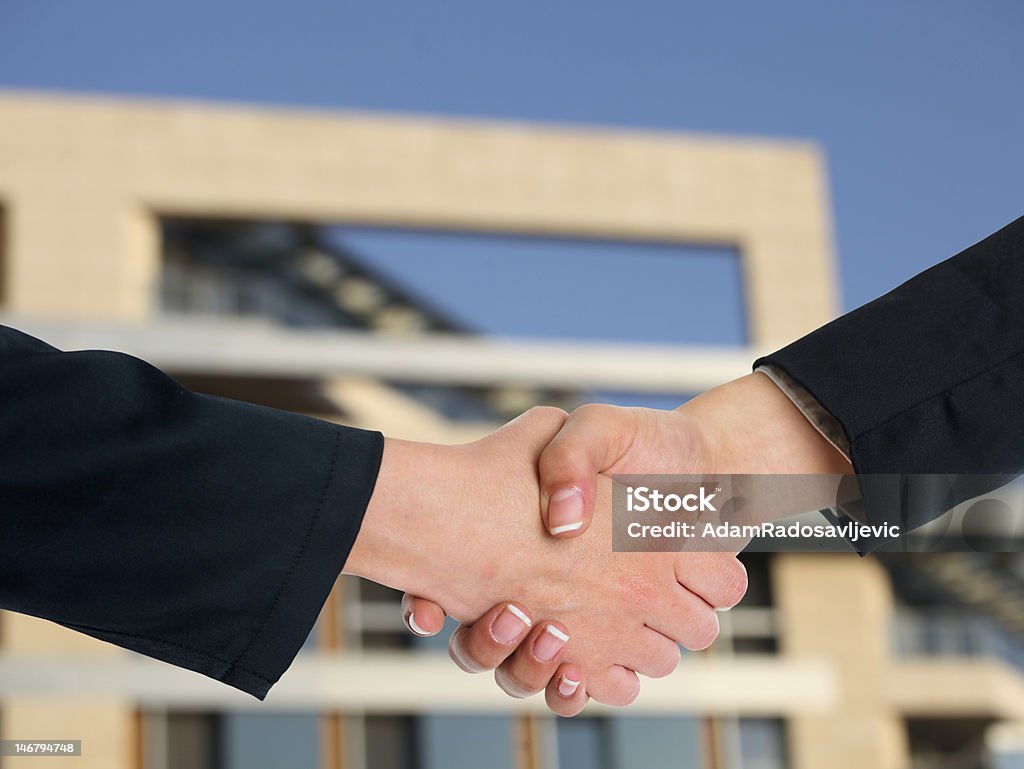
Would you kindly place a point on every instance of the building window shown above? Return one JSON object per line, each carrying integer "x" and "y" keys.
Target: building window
{"x": 762, "y": 743}
{"x": 937, "y": 743}
{"x": 182, "y": 741}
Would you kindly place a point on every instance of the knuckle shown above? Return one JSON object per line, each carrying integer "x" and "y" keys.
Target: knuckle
{"x": 611, "y": 688}
{"x": 705, "y": 631}
{"x": 734, "y": 582}
{"x": 667, "y": 663}
{"x": 551, "y": 414}
{"x": 593, "y": 411}
{"x": 627, "y": 693}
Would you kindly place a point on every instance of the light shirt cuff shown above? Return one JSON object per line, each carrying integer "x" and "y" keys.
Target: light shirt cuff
{"x": 822, "y": 421}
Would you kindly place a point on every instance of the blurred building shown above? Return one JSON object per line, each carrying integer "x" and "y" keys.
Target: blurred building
{"x": 203, "y": 238}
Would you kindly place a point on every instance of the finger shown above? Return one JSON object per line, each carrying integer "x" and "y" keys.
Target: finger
{"x": 566, "y": 692}
{"x": 529, "y": 669}
{"x": 719, "y": 578}
{"x": 615, "y": 686}
{"x": 422, "y": 617}
{"x": 685, "y": 618}
{"x": 592, "y": 439}
{"x": 490, "y": 640}
{"x": 652, "y": 654}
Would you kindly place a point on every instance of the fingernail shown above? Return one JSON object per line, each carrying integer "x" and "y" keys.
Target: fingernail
{"x": 414, "y": 627}
{"x": 549, "y": 643}
{"x": 510, "y": 624}
{"x": 567, "y": 687}
{"x": 565, "y": 510}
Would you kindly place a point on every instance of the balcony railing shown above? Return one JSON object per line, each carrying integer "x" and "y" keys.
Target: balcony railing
{"x": 954, "y": 633}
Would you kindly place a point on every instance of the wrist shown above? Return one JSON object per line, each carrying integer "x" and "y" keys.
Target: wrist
{"x": 402, "y": 528}
{"x": 752, "y": 427}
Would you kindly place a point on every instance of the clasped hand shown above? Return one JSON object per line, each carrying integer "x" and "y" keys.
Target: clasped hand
{"x": 468, "y": 527}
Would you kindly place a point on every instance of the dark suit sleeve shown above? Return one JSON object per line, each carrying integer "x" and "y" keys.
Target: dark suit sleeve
{"x": 929, "y": 379}
{"x": 197, "y": 530}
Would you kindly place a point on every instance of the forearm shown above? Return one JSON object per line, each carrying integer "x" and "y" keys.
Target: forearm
{"x": 777, "y": 458}
{"x": 926, "y": 383}
{"x": 928, "y": 378}
{"x": 397, "y": 544}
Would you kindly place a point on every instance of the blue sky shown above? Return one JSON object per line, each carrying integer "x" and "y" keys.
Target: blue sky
{"x": 918, "y": 104}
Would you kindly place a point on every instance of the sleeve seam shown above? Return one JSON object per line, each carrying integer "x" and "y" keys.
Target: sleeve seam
{"x": 135, "y": 636}
{"x": 295, "y": 561}
{"x": 933, "y": 396}
{"x": 186, "y": 656}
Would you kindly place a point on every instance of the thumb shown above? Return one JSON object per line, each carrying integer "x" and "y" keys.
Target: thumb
{"x": 422, "y": 616}
{"x": 591, "y": 441}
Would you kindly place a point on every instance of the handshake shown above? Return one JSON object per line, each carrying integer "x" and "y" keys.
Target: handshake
{"x": 492, "y": 533}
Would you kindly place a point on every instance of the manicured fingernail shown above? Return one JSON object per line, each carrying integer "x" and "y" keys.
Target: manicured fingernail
{"x": 565, "y": 510}
{"x": 510, "y": 624}
{"x": 414, "y": 627}
{"x": 567, "y": 687}
{"x": 549, "y": 643}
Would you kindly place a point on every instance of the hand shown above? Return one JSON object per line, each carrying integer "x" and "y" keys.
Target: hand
{"x": 459, "y": 526}
{"x": 746, "y": 426}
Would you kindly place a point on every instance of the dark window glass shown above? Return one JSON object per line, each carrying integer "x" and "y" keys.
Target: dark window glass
{"x": 581, "y": 743}
{"x": 763, "y": 743}
{"x": 270, "y": 741}
{"x": 654, "y": 743}
{"x": 464, "y": 742}
{"x": 390, "y": 742}
{"x": 191, "y": 741}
